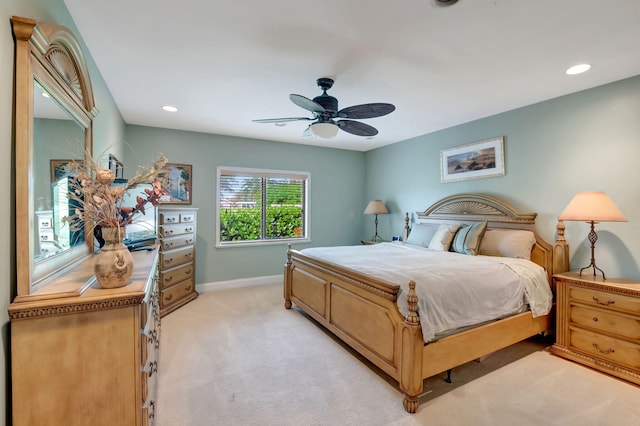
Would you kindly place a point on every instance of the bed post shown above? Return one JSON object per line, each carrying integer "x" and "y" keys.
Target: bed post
{"x": 405, "y": 230}
{"x": 411, "y": 357}
{"x": 560, "y": 251}
{"x": 287, "y": 279}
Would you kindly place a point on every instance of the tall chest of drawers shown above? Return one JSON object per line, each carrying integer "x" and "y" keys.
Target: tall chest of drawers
{"x": 598, "y": 323}
{"x": 177, "y": 266}
{"x": 84, "y": 355}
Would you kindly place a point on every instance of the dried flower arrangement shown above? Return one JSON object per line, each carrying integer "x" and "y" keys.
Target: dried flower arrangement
{"x": 100, "y": 204}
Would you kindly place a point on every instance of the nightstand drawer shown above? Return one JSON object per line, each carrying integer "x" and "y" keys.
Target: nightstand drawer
{"x": 610, "y": 322}
{"x": 609, "y": 300}
{"x": 607, "y": 348}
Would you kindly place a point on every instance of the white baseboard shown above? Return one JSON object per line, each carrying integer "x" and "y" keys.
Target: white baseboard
{"x": 243, "y": 282}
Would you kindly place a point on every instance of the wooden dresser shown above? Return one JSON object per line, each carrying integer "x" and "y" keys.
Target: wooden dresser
{"x": 598, "y": 323}
{"x": 177, "y": 233}
{"x": 84, "y": 355}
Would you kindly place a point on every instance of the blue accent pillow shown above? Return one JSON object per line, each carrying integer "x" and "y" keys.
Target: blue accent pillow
{"x": 468, "y": 237}
{"x": 421, "y": 234}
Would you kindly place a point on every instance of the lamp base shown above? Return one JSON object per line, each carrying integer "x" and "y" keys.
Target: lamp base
{"x": 376, "y": 238}
{"x": 595, "y": 268}
{"x": 593, "y": 237}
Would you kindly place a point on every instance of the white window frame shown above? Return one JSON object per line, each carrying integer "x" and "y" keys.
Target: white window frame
{"x": 244, "y": 171}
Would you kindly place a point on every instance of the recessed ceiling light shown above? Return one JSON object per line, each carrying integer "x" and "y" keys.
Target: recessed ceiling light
{"x": 45, "y": 94}
{"x": 169, "y": 108}
{"x": 578, "y": 69}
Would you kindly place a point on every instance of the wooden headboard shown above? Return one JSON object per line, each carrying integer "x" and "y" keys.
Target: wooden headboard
{"x": 470, "y": 208}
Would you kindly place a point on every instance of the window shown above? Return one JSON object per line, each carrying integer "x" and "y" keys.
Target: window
{"x": 261, "y": 206}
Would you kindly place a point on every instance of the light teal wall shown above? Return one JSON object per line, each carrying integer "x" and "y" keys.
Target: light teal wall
{"x": 108, "y": 132}
{"x": 337, "y": 200}
{"x": 587, "y": 141}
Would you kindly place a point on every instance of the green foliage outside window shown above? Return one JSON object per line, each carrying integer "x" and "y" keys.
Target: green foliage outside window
{"x": 243, "y": 224}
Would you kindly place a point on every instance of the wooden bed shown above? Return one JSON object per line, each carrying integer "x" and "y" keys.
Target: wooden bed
{"x": 362, "y": 310}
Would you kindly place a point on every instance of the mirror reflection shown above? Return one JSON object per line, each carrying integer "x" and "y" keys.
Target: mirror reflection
{"x": 58, "y": 141}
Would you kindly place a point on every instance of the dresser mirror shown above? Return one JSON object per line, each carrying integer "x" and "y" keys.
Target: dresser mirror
{"x": 54, "y": 112}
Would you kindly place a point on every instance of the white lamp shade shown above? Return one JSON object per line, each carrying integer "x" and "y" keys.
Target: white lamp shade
{"x": 592, "y": 206}
{"x": 376, "y": 207}
{"x": 324, "y": 130}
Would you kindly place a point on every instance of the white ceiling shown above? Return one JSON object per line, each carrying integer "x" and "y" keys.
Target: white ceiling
{"x": 224, "y": 63}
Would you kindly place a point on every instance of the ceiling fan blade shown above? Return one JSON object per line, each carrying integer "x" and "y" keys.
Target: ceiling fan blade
{"x": 366, "y": 111}
{"x": 306, "y": 103}
{"x": 307, "y": 133}
{"x": 282, "y": 120}
{"x": 357, "y": 128}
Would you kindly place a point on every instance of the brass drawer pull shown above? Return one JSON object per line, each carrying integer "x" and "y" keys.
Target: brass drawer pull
{"x": 597, "y": 300}
{"x": 607, "y": 351}
{"x": 595, "y": 319}
{"x": 168, "y": 279}
{"x": 168, "y": 298}
{"x": 168, "y": 261}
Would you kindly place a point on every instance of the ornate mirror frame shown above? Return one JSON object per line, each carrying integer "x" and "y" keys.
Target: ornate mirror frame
{"x": 50, "y": 55}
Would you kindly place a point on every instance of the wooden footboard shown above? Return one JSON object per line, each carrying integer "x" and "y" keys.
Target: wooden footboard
{"x": 340, "y": 300}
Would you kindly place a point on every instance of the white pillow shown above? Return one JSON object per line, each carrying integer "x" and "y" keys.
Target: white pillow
{"x": 441, "y": 240}
{"x": 516, "y": 243}
{"x": 421, "y": 234}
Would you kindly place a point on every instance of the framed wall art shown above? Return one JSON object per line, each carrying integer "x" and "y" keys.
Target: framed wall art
{"x": 177, "y": 183}
{"x": 480, "y": 159}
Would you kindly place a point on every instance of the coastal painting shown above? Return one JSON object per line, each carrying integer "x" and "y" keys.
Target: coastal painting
{"x": 177, "y": 184}
{"x": 476, "y": 160}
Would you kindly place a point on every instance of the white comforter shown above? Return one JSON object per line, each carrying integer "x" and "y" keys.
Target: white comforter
{"x": 454, "y": 290}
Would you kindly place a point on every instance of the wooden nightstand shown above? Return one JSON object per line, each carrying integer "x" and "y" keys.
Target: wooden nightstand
{"x": 598, "y": 323}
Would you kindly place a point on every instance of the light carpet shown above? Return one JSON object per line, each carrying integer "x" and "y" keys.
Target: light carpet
{"x": 237, "y": 357}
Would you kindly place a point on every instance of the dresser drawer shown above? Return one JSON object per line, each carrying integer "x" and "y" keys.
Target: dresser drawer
{"x": 167, "y": 244}
{"x": 187, "y": 217}
{"x": 176, "y": 292}
{"x": 608, "y": 321}
{"x": 169, "y": 217}
{"x": 606, "y": 348}
{"x": 610, "y": 300}
{"x": 177, "y": 257}
{"x": 175, "y": 275}
{"x": 176, "y": 229}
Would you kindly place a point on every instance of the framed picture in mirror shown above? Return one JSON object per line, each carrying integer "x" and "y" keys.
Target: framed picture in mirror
{"x": 116, "y": 166}
{"x": 62, "y": 168}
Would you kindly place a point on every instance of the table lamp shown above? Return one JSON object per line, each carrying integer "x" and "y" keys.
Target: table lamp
{"x": 376, "y": 207}
{"x": 592, "y": 207}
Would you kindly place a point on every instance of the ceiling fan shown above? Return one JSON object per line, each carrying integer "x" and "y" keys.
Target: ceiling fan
{"x": 327, "y": 119}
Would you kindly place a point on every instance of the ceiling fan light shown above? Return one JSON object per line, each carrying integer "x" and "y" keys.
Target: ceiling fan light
{"x": 324, "y": 130}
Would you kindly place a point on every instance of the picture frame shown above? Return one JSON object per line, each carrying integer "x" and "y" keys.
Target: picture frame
{"x": 116, "y": 166}
{"x": 61, "y": 168}
{"x": 177, "y": 183}
{"x": 479, "y": 159}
